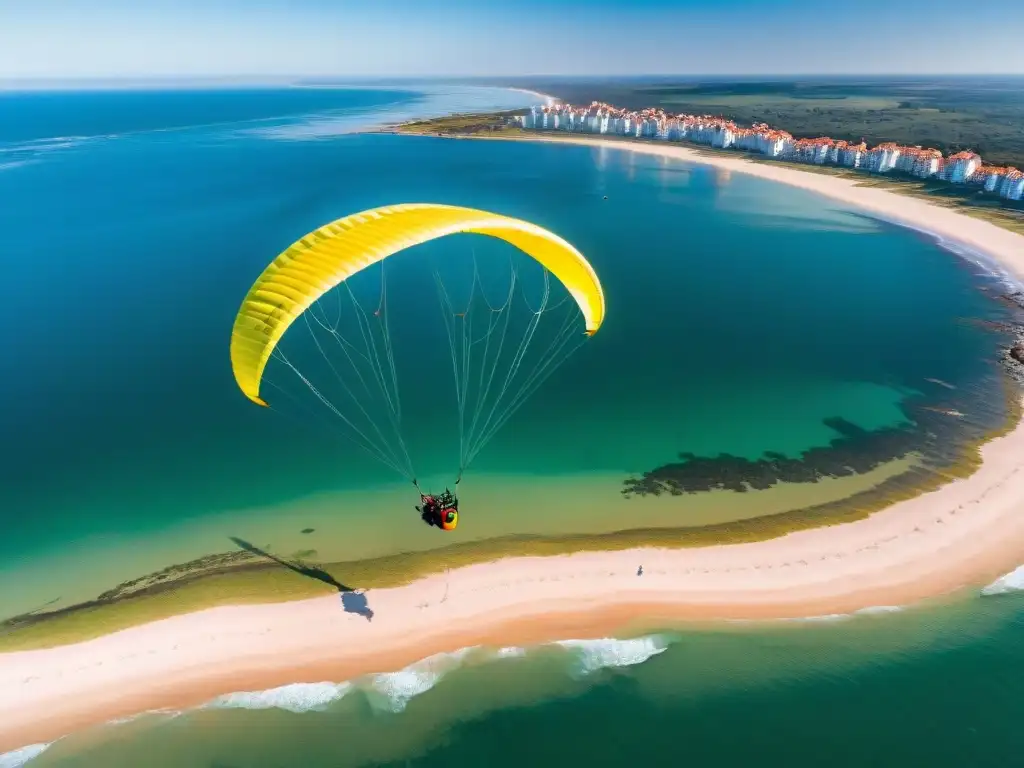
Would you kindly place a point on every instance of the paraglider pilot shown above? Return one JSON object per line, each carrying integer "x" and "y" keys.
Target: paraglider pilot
{"x": 440, "y": 511}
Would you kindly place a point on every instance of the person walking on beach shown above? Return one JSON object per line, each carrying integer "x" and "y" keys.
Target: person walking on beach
{"x": 640, "y": 571}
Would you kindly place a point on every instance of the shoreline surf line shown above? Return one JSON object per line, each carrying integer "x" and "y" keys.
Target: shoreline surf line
{"x": 392, "y": 690}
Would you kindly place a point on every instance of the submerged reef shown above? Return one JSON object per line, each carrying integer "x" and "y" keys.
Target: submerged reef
{"x": 934, "y": 429}
{"x": 854, "y": 451}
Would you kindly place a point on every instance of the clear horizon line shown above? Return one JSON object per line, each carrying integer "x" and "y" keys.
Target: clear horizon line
{"x": 451, "y": 76}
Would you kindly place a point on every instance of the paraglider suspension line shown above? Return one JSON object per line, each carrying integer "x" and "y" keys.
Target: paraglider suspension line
{"x": 494, "y": 374}
{"x": 370, "y": 376}
{"x": 486, "y": 399}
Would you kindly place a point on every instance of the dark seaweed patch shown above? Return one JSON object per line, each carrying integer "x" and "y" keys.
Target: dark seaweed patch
{"x": 934, "y": 430}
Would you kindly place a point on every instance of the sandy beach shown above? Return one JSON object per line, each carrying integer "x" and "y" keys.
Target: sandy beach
{"x": 965, "y": 534}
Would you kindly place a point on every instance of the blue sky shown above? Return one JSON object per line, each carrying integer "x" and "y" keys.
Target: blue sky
{"x": 133, "y": 38}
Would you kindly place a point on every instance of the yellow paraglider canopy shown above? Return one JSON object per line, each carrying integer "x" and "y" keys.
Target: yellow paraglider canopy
{"x": 333, "y": 253}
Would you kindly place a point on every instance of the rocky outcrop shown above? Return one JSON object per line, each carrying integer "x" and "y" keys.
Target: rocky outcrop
{"x": 1013, "y": 358}
{"x": 1013, "y": 354}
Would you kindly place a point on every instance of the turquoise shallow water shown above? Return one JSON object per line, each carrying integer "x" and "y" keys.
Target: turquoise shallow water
{"x": 741, "y": 315}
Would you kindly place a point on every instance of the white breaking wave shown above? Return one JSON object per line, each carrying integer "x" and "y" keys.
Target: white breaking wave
{"x": 989, "y": 264}
{"x": 875, "y": 609}
{"x": 397, "y": 689}
{"x": 297, "y": 697}
{"x": 21, "y": 154}
{"x": 19, "y": 757}
{"x": 609, "y": 653}
{"x": 168, "y": 714}
{"x": 824, "y": 617}
{"x": 871, "y": 610}
{"x": 36, "y": 147}
{"x": 47, "y": 144}
{"x": 14, "y": 164}
{"x": 1011, "y": 582}
{"x": 390, "y": 691}
{"x": 510, "y": 652}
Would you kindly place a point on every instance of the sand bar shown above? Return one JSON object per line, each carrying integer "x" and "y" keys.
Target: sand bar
{"x": 966, "y": 533}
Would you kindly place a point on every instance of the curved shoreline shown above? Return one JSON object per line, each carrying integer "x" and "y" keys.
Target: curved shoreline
{"x": 968, "y": 532}
{"x": 1006, "y": 248}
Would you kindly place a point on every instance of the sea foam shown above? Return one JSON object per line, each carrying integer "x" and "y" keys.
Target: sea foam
{"x": 825, "y": 618}
{"x": 169, "y": 714}
{"x": 1011, "y": 582}
{"x": 990, "y": 265}
{"x": 510, "y": 652}
{"x": 876, "y": 609}
{"x": 20, "y": 152}
{"x": 609, "y": 652}
{"x": 394, "y": 690}
{"x": 19, "y": 757}
{"x": 296, "y": 697}
{"x": 388, "y": 691}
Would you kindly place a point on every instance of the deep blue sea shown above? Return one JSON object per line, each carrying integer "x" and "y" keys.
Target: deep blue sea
{"x": 743, "y": 317}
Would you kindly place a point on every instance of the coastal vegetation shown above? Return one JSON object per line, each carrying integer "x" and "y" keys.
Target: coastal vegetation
{"x": 487, "y": 123}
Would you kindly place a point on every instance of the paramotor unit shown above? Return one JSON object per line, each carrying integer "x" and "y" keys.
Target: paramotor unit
{"x": 440, "y": 511}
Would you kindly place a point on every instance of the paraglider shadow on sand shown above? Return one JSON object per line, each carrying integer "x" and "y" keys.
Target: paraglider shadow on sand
{"x": 352, "y": 600}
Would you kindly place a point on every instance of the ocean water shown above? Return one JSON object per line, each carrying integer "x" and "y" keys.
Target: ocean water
{"x": 743, "y": 316}
{"x": 932, "y": 685}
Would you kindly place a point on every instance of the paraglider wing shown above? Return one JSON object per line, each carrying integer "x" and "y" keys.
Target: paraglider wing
{"x": 333, "y": 253}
